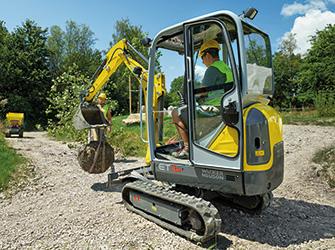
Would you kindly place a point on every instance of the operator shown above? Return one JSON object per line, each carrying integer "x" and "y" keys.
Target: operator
{"x": 217, "y": 72}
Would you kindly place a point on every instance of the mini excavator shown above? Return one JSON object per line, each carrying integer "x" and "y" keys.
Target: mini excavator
{"x": 236, "y": 149}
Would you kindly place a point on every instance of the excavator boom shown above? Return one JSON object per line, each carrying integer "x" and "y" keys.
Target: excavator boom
{"x": 88, "y": 115}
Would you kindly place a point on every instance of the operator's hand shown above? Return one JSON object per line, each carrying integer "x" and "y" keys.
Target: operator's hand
{"x": 201, "y": 98}
{"x": 212, "y": 109}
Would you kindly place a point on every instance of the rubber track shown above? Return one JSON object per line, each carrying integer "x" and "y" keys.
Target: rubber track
{"x": 205, "y": 209}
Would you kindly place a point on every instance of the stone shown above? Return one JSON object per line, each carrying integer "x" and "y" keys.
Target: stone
{"x": 104, "y": 157}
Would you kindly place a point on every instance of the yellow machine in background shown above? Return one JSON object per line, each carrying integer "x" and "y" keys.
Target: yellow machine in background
{"x": 14, "y": 124}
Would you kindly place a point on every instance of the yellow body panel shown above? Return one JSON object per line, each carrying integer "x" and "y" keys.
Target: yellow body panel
{"x": 15, "y": 118}
{"x": 275, "y": 127}
{"x": 226, "y": 143}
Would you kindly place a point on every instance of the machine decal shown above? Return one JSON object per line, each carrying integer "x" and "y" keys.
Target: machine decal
{"x": 259, "y": 153}
{"x": 176, "y": 169}
{"x": 163, "y": 167}
{"x": 154, "y": 208}
{"x": 137, "y": 197}
{"x": 213, "y": 174}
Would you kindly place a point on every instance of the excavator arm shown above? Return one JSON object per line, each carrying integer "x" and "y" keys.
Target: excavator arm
{"x": 121, "y": 53}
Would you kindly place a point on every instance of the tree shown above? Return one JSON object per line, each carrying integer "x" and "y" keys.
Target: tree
{"x": 173, "y": 96}
{"x": 56, "y": 46}
{"x": 27, "y": 79}
{"x": 317, "y": 72}
{"x": 286, "y": 67}
{"x": 256, "y": 54}
{"x": 4, "y": 63}
{"x": 288, "y": 45}
{"x": 73, "y": 46}
{"x": 64, "y": 102}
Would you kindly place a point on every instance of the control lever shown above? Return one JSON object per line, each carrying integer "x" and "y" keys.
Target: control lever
{"x": 230, "y": 114}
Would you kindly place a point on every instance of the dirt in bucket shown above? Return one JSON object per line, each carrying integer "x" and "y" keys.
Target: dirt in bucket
{"x": 104, "y": 157}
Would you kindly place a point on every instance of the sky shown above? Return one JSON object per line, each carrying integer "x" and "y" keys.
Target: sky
{"x": 275, "y": 17}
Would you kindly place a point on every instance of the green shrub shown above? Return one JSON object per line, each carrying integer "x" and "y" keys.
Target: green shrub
{"x": 64, "y": 102}
{"x": 325, "y": 104}
{"x": 326, "y": 159}
{"x": 127, "y": 139}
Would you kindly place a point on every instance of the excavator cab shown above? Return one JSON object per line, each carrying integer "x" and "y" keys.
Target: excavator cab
{"x": 235, "y": 138}
{"x": 213, "y": 110}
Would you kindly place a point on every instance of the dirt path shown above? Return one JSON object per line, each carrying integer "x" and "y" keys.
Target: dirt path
{"x": 66, "y": 208}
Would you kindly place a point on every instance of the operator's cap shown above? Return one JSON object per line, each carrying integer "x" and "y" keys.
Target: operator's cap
{"x": 210, "y": 44}
{"x": 102, "y": 96}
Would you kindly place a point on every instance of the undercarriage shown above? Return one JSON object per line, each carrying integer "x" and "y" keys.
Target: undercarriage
{"x": 187, "y": 211}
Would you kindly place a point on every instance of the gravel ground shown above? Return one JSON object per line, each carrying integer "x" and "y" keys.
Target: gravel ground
{"x": 64, "y": 207}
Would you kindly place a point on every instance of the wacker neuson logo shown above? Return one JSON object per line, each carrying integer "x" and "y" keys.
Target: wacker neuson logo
{"x": 213, "y": 174}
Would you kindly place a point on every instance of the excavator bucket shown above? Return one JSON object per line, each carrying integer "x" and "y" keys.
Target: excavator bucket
{"x": 88, "y": 116}
{"x": 97, "y": 155}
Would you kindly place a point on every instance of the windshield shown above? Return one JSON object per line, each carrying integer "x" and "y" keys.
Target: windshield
{"x": 259, "y": 64}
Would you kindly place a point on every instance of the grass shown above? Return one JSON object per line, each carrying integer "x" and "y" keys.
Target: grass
{"x": 127, "y": 138}
{"x": 310, "y": 117}
{"x": 124, "y": 138}
{"x": 11, "y": 165}
{"x": 326, "y": 159}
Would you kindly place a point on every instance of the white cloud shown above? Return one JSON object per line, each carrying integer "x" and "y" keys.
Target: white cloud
{"x": 306, "y": 26}
{"x": 299, "y": 8}
{"x": 313, "y": 15}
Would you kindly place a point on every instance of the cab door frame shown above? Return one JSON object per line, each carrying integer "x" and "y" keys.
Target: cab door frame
{"x": 200, "y": 156}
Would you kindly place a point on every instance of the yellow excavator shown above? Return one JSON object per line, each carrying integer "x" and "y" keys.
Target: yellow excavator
{"x": 236, "y": 149}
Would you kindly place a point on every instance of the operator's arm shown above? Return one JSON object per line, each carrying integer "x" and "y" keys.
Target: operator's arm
{"x": 109, "y": 119}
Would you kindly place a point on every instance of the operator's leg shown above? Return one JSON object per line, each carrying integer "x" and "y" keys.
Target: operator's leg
{"x": 181, "y": 128}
